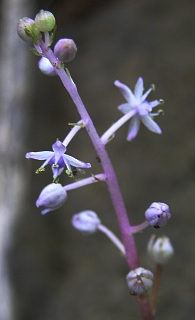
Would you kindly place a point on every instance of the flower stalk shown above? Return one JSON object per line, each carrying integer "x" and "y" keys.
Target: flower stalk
{"x": 111, "y": 181}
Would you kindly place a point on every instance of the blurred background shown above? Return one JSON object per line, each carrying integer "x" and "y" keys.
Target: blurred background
{"x": 49, "y": 270}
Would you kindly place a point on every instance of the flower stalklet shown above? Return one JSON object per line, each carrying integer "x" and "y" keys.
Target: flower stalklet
{"x": 57, "y": 160}
{"x": 142, "y": 108}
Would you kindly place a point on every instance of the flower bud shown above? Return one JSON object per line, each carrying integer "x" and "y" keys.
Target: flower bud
{"x": 86, "y": 222}
{"x": 158, "y": 214}
{"x": 45, "y": 21}
{"x": 139, "y": 281}
{"x": 65, "y": 50}
{"x": 51, "y": 197}
{"x": 26, "y": 29}
{"x": 160, "y": 249}
{"x": 46, "y": 67}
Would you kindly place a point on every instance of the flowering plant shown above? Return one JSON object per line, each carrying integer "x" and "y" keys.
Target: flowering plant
{"x": 141, "y": 282}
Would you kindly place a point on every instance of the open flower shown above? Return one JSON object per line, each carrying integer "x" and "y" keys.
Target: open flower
{"x": 142, "y": 108}
{"x": 57, "y": 159}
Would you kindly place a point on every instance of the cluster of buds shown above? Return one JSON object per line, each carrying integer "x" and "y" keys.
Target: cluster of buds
{"x": 30, "y": 30}
{"x": 43, "y": 28}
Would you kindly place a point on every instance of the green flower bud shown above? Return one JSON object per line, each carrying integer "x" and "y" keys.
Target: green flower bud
{"x": 45, "y": 21}
{"x": 24, "y": 27}
{"x": 65, "y": 50}
{"x": 160, "y": 249}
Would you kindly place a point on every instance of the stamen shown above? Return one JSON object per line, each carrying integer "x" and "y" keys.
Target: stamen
{"x": 77, "y": 124}
{"x": 161, "y": 101}
{"x": 161, "y": 112}
{"x": 55, "y": 166}
{"x": 40, "y": 170}
{"x": 153, "y": 87}
{"x": 69, "y": 174}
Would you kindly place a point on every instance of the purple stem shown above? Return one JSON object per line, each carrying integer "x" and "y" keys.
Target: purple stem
{"x": 112, "y": 183}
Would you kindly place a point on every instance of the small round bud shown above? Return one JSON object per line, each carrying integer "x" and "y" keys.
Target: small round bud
{"x": 160, "y": 249}
{"x": 158, "y": 214}
{"x": 46, "y": 67}
{"x": 24, "y": 28}
{"x": 45, "y": 21}
{"x": 65, "y": 50}
{"x": 86, "y": 222}
{"x": 139, "y": 281}
{"x": 51, "y": 197}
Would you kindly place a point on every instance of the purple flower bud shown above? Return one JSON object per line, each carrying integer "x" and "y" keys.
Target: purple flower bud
{"x": 65, "y": 50}
{"x": 24, "y": 28}
{"x": 139, "y": 281}
{"x": 86, "y": 222}
{"x": 46, "y": 67}
{"x": 160, "y": 249}
{"x": 45, "y": 21}
{"x": 158, "y": 214}
{"x": 51, "y": 197}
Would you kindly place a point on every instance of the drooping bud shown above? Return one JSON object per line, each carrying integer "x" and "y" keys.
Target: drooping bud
{"x": 45, "y": 21}
{"x": 65, "y": 50}
{"x": 158, "y": 214}
{"x": 160, "y": 249}
{"x": 86, "y": 222}
{"x": 26, "y": 30}
{"x": 46, "y": 67}
{"x": 51, "y": 197}
{"x": 139, "y": 281}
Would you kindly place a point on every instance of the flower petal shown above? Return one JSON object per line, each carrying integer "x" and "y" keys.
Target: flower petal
{"x": 59, "y": 147}
{"x": 125, "y": 108}
{"x": 41, "y": 155}
{"x": 56, "y": 171}
{"x": 133, "y": 128}
{"x": 76, "y": 163}
{"x": 151, "y": 124}
{"x": 154, "y": 103}
{"x": 126, "y": 92}
{"x": 139, "y": 88}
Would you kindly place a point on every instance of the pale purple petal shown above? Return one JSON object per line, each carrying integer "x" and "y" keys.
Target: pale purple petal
{"x": 76, "y": 163}
{"x": 59, "y": 147}
{"x": 151, "y": 124}
{"x": 139, "y": 88}
{"x": 56, "y": 172}
{"x": 41, "y": 155}
{"x": 125, "y": 108}
{"x": 133, "y": 128}
{"x": 126, "y": 92}
{"x": 146, "y": 94}
{"x": 154, "y": 103}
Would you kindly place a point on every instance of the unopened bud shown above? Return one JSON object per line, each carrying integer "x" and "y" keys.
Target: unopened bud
{"x": 160, "y": 249}
{"x": 139, "y": 281}
{"x": 46, "y": 67}
{"x": 45, "y": 21}
{"x": 158, "y": 214}
{"x": 51, "y": 197}
{"x": 65, "y": 50}
{"x": 26, "y": 29}
{"x": 86, "y": 222}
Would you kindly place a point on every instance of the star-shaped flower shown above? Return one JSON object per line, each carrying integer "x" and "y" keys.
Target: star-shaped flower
{"x": 142, "y": 108}
{"x": 57, "y": 159}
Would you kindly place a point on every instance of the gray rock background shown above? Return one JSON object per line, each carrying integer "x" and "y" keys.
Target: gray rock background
{"x": 55, "y": 272}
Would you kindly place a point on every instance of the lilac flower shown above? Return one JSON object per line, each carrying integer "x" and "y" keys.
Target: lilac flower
{"x": 57, "y": 159}
{"x": 142, "y": 108}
